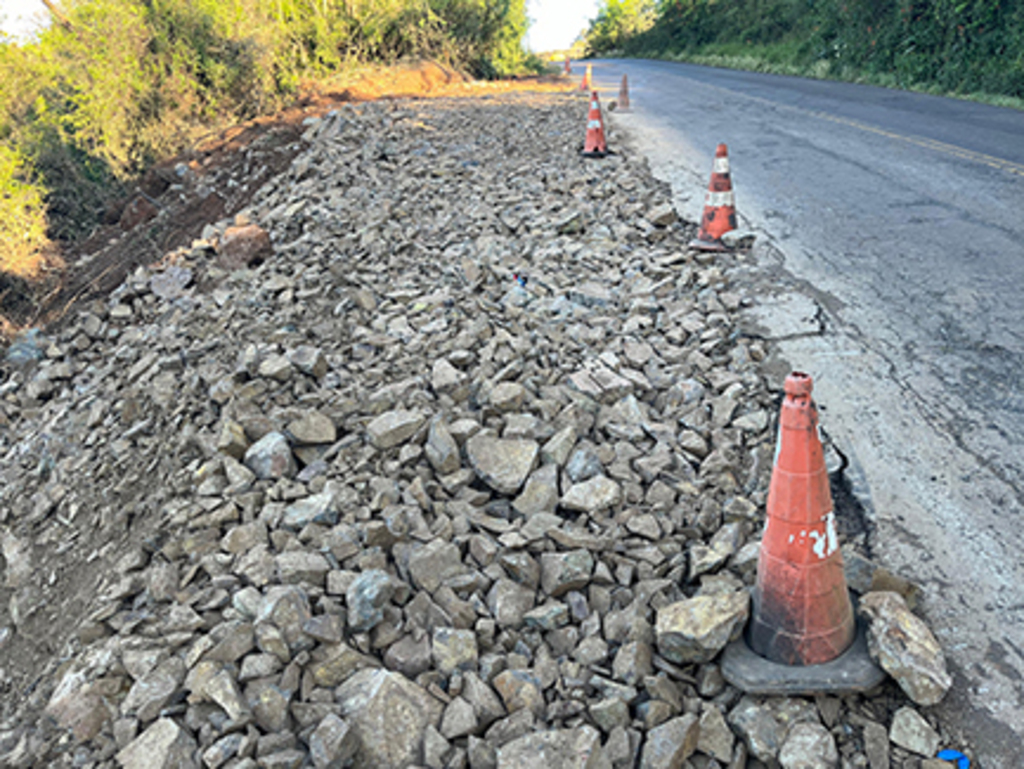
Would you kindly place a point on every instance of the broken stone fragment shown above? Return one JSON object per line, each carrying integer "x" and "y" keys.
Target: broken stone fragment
{"x": 593, "y": 496}
{"x": 164, "y": 745}
{"x": 809, "y": 746}
{"x": 502, "y": 464}
{"x": 670, "y": 744}
{"x": 764, "y": 726}
{"x": 389, "y": 714}
{"x": 243, "y": 246}
{"x": 271, "y": 457}
{"x": 910, "y": 731}
{"x": 696, "y": 629}
{"x": 311, "y": 428}
{"x": 905, "y": 648}
{"x": 578, "y": 748}
{"x": 394, "y": 427}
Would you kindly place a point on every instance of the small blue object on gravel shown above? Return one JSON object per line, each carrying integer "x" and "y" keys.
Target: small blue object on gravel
{"x": 962, "y": 761}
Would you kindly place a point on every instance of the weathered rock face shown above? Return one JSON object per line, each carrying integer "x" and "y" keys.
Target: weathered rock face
{"x": 571, "y": 748}
{"x": 502, "y": 464}
{"x": 910, "y": 731}
{"x": 366, "y": 500}
{"x": 905, "y": 648}
{"x": 388, "y": 714}
{"x": 164, "y": 745}
{"x": 695, "y": 630}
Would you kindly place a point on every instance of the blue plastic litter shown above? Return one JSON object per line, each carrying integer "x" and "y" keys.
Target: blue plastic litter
{"x": 962, "y": 761}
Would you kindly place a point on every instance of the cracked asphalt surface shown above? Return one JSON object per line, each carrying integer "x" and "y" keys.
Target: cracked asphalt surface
{"x": 890, "y": 266}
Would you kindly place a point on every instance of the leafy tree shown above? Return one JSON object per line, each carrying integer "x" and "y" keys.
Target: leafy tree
{"x": 617, "y": 21}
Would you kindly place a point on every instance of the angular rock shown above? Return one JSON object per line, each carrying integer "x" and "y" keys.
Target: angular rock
{"x": 716, "y": 738}
{"x": 366, "y": 598}
{"x": 910, "y": 731}
{"x": 508, "y": 396}
{"x": 319, "y": 508}
{"x": 389, "y": 714}
{"x": 669, "y": 745}
{"x": 394, "y": 427}
{"x": 243, "y": 246}
{"x": 332, "y": 743}
{"x": 271, "y": 457}
{"x": 562, "y": 572}
{"x": 696, "y": 629}
{"x": 764, "y": 727}
{"x": 578, "y": 748}
{"x": 164, "y": 745}
{"x": 454, "y": 650}
{"x": 809, "y": 746}
{"x": 153, "y": 691}
{"x": 433, "y": 563}
{"x": 540, "y": 494}
{"x": 905, "y": 648}
{"x": 441, "y": 449}
{"x": 312, "y": 428}
{"x": 592, "y": 496}
{"x": 509, "y": 602}
{"x": 502, "y": 464}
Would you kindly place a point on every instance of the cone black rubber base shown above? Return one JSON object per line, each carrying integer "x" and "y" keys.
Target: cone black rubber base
{"x": 594, "y": 154}
{"x": 852, "y": 671}
{"x": 708, "y": 245}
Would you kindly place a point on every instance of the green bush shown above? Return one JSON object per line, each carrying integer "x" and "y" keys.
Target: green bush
{"x": 114, "y": 85}
{"x": 953, "y": 46}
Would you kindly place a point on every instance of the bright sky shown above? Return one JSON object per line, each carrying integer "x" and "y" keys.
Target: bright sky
{"x": 20, "y": 17}
{"x": 556, "y": 23}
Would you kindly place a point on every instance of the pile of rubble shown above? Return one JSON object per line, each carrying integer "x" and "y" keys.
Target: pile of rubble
{"x": 445, "y": 453}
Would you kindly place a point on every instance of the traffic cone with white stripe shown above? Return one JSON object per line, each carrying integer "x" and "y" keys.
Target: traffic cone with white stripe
{"x": 802, "y": 611}
{"x": 588, "y": 77}
{"x": 568, "y": 66}
{"x": 595, "y": 146}
{"x": 624, "y": 95}
{"x": 719, "y": 206}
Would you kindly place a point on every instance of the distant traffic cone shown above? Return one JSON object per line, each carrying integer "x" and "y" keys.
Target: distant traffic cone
{"x": 588, "y": 77}
{"x": 567, "y": 69}
{"x": 802, "y": 612}
{"x": 624, "y": 95}
{"x": 719, "y": 206}
{"x": 596, "y": 146}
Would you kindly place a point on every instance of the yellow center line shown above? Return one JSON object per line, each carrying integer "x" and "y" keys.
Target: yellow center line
{"x": 929, "y": 144}
{"x": 919, "y": 141}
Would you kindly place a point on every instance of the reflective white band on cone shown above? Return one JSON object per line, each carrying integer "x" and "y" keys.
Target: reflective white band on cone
{"x": 594, "y": 105}
{"x": 593, "y": 124}
{"x": 719, "y": 199}
{"x": 721, "y": 166}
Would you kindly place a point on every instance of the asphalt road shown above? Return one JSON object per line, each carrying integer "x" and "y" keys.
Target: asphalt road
{"x": 890, "y": 266}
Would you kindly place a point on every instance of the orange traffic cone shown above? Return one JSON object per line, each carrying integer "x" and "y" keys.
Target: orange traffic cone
{"x": 567, "y": 69}
{"x": 802, "y": 611}
{"x": 588, "y": 76}
{"x": 596, "y": 146}
{"x": 624, "y": 95}
{"x": 719, "y": 206}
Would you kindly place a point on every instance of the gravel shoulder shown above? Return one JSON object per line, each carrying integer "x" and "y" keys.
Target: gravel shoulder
{"x": 417, "y": 476}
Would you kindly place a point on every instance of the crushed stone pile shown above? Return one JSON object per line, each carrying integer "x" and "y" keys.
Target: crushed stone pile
{"x": 445, "y": 452}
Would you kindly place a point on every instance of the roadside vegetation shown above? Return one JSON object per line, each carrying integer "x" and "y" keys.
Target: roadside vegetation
{"x": 968, "y": 48}
{"x": 112, "y": 86}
